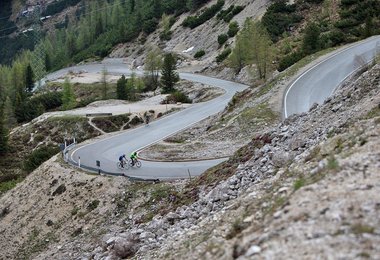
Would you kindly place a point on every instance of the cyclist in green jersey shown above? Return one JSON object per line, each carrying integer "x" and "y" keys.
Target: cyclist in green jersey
{"x": 133, "y": 157}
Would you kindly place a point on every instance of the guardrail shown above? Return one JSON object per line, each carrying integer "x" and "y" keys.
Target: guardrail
{"x": 98, "y": 114}
{"x": 97, "y": 170}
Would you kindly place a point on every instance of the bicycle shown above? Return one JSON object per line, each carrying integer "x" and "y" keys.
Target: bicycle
{"x": 137, "y": 163}
{"x": 125, "y": 164}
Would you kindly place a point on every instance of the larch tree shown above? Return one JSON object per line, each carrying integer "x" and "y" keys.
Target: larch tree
{"x": 68, "y": 96}
{"x": 9, "y": 114}
{"x": 153, "y": 65}
{"x": 257, "y": 46}
{"x": 104, "y": 82}
{"x": 3, "y": 134}
{"x": 237, "y": 58}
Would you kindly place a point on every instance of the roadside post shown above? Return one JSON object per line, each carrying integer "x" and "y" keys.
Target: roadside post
{"x": 98, "y": 165}
{"x": 79, "y": 161}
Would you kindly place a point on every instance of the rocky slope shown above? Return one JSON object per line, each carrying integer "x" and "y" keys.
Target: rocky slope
{"x": 311, "y": 190}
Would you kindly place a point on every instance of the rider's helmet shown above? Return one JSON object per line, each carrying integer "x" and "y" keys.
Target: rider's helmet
{"x": 134, "y": 153}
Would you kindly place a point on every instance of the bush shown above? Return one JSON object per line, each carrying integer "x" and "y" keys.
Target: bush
{"x": 149, "y": 26}
{"x": 208, "y": 13}
{"x": 178, "y": 96}
{"x": 222, "y": 38}
{"x": 221, "y": 57}
{"x": 199, "y": 54}
{"x": 165, "y": 36}
{"x": 279, "y": 17}
{"x": 228, "y": 14}
{"x": 289, "y": 60}
{"x": 233, "y": 29}
{"x": 50, "y": 100}
{"x": 38, "y": 156}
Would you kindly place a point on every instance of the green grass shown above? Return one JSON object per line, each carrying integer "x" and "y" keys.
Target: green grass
{"x": 8, "y": 185}
{"x": 259, "y": 113}
{"x": 375, "y": 112}
{"x": 359, "y": 228}
{"x": 299, "y": 183}
{"x": 332, "y": 163}
{"x": 67, "y": 119}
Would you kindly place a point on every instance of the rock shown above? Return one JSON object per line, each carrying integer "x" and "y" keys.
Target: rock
{"x": 297, "y": 143}
{"x": 277, "y": 214}
{"x": 313, "y": 107}
{"x": 336, "y": 107}
{"x": 111, "y": 241}
{"x": 124, "y": 247}
{"x": 253, "y": 250}
{"x": 280, "y": 158}
{"x": 61, "y": 189}
{"x": 264, "y": 160}
{"x": 233, "y": 181}
{"x": 146, "y": 235}
{"x": 283, "y": 190}
{"x": 172, "y": 217}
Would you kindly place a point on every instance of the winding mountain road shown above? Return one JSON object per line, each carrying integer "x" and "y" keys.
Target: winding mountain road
{"x": 108, "y": 150}
{"x": 311, "y": 87}
{"x": 320, "y": 81}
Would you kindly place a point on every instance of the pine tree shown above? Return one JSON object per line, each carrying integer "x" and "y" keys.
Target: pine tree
{"x": 169, "y": 75}
{"x": 29, "y": 79}
{"x": 311, "y": 39}
{"x": 121, "y": 90}
{"x": 68, "y": 96}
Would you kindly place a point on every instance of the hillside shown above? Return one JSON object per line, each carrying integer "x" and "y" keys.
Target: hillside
{"x": 301, "y": 185}
{"x": 304, "y": 187}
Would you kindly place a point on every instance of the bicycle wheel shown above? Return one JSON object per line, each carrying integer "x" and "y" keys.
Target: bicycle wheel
{"x": 118, "y": 164}
{"x": 138, "y": 164}
{"x": 130, "y": 163}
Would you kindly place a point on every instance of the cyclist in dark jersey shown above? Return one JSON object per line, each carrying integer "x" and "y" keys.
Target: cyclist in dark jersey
{"x": 122, "y": 159}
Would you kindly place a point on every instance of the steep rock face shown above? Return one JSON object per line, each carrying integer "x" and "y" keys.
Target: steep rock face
{"x": 311, "y": 191}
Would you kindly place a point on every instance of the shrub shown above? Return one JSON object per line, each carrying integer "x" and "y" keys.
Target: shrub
{"x": 49, "y": 100}
{"x": 208, "y": 13}
{"x": 228, "y": 14}
{"x": 222, "y": 38}
{"x": 289, "y": 60}
{"x": 233, "y": 29}
{"x": 149, "y": 26}
{"x": 279, "y": 17}
{"x": 178, "y": 96}
{"x": 38, "y": 156}
{"x": 221, "y": 57}
{"x": 199, "y": 54}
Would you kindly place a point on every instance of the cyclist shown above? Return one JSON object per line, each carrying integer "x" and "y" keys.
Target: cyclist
{"x": 122, "y": 160}
{"x": 133, "y": 158}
